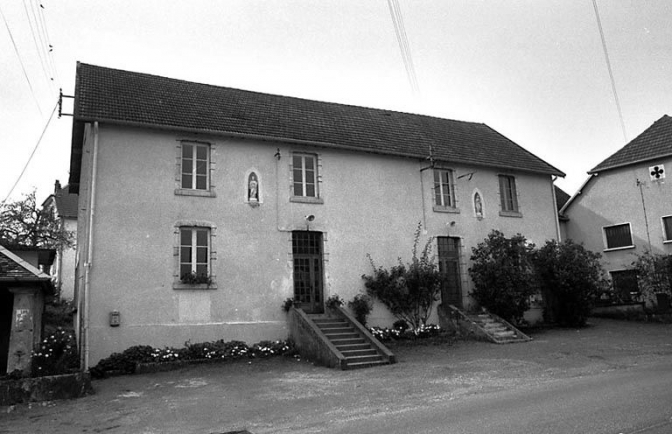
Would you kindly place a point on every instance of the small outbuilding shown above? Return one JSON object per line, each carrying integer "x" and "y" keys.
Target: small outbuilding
{"x": 23, "y": 287}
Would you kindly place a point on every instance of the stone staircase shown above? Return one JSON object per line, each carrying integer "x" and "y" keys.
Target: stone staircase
{"x": 488, "y": 326}
{"x": 356, "y": 349}
{"x": 499, "y": 331}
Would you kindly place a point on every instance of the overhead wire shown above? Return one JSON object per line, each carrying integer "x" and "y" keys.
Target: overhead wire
{"x": 37, "y": 44}
{"x": 407, "y": 47}
{"x": 50, "y": 56}
{"x": 31, "y": 155}
{"x": 404, "y": 47}
{"x": 25, "y": 74}
{"x": 611, "y": 74}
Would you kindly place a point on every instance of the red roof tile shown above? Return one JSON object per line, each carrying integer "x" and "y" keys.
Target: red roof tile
{"x": 116, "y": 96}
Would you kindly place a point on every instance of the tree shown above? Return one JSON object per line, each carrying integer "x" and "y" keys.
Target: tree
{"x": 503, "y": 275}
{"x": 570, "y": 279}
{"x": 23, "y": 223}
{"x": 654, "y": 274}
{"x": 407, "y": 290}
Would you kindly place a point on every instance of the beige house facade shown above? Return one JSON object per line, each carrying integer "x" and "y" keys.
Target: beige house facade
{"x": 196, "y": 223}
{"x": 625, "y": 208}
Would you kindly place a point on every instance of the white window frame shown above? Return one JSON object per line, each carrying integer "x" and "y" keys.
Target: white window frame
{"x": 438, "y": 190}
{"x": 317, "y": 178}
{"x": 192, "y": 190}
{"x": 605, "y": 238}
{"x": 508, "y": 193}
{"x": 667, "y": 236}
{"x": 194, "y": 226}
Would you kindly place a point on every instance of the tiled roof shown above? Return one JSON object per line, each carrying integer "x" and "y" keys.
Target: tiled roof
{"x": 561, "y": 197}
{"x": 13, "y": 267}
{"x": 116, "y": 96}
{"x": 654, "y": 142}
{"x": 66, "y": 202}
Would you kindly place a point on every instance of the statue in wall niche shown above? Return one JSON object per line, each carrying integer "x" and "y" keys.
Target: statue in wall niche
{"x": 478, "y": 205}
{"x": 253, "y": 188}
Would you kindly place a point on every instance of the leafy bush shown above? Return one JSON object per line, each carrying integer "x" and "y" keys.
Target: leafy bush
{"x": 503, "y": 275}
{"x": 386, "y": 334}
{"x": 334, "y": 301}
{"x": 195, "y": 279}
{"x": 287, "y": 304}
{"x": 126, "y": 361}
{"x": 407, "y": 290}
{"x": 654, "y": 274}
{"x": 361, "y": 306}
{"x": 57, "y": 354}
{"x": 570, "y": 278}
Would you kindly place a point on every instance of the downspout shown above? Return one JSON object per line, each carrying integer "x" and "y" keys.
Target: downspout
{"x": 646, "y": 219}
{"x": 89, "y": 249}
{"x": 555, "y": 208}
{"x": 422, "y": 195}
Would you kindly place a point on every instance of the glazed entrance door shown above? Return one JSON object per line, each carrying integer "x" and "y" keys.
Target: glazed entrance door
{"x": 449, "y": 267}
{"x": 308, "y": 273}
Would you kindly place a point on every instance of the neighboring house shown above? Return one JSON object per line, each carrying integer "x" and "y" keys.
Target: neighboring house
{"x": 63, "y": 205}
{"x": 269, "y": 197}
{"x": 625, "y": 207}
{"x": 23, "y": 287}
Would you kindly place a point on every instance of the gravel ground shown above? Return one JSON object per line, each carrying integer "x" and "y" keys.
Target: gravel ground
{"x": 287, "y": 395}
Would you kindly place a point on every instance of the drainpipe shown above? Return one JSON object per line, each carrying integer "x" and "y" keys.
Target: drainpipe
{"x": 89, "y": 250}
{"x": 555, "y": 208}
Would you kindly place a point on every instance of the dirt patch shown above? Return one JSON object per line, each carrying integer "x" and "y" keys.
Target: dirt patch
{"x": 287, "y": 395}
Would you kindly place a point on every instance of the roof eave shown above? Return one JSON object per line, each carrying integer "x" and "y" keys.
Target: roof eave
{"x": 597, "y": 169}
{"x": 75, "y": 168}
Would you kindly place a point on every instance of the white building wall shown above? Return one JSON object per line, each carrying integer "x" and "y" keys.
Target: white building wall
{"x": 372, "y": 204}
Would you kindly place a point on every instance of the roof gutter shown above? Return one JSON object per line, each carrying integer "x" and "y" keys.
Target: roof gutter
{"x": 304, "y": 142}
{"x": 629, "y": 163}
{"x": 578, "y": 193}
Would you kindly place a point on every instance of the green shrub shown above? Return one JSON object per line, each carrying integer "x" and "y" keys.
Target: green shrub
{"x": 503, "y": 275}
{"x": 570, "y": 278}
{"x": 654, "y": 274}
{"x": 334, "y": 301}
{"x": 127, "y": 361}
{"x": 361, "y": 306}
{"x": 57, "y": 354}
{"x": 407, "y": 290}
{"x": 384, "y": 334}
{"x": 287, "y": 304}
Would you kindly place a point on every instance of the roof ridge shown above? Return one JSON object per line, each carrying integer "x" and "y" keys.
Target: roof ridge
{"x": 642, "y": 148}
{"x": 277, "y": 95}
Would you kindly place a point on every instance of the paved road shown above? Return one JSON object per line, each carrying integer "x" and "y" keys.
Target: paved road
{"x": 636, "y": 401}
{"x": 613, "y": 377}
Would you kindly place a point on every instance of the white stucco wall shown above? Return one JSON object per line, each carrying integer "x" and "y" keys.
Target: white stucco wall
{"x": 614, "y": 197}
{"x": 371, "y": 204}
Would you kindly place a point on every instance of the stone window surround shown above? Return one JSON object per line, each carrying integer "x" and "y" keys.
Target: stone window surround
{"x": 177, "y": 284}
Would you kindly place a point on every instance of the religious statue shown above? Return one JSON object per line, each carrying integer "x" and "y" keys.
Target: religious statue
{"x": 478, "y": 205}
{"x": 253, "y": 188}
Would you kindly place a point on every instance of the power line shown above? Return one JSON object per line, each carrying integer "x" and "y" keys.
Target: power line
{"x": 611, "y": 74}
{"x": 402, "y": 40}
{"x": 30, "y": 85}
{"x": 45, "y": 29}
{"x": 37, "y": 45}
{"x": 31, "y": 155}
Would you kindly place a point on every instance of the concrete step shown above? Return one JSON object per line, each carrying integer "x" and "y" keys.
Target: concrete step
{"x": 342, "y": 329}
{"x": 360, "y": 365}
{"x": 356, "y": 353}
{"x": 352, "y": 347}
{"x": 364, "y": 359}
{"x": 341, "y": 335}
{"x": 347, "y": 341}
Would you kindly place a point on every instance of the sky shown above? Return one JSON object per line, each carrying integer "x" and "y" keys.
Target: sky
{"x": 534, "y": 70}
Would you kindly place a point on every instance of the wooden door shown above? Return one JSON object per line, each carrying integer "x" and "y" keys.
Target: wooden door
{"x": 308, "y": 273}
{"x": 449, "y": 266}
